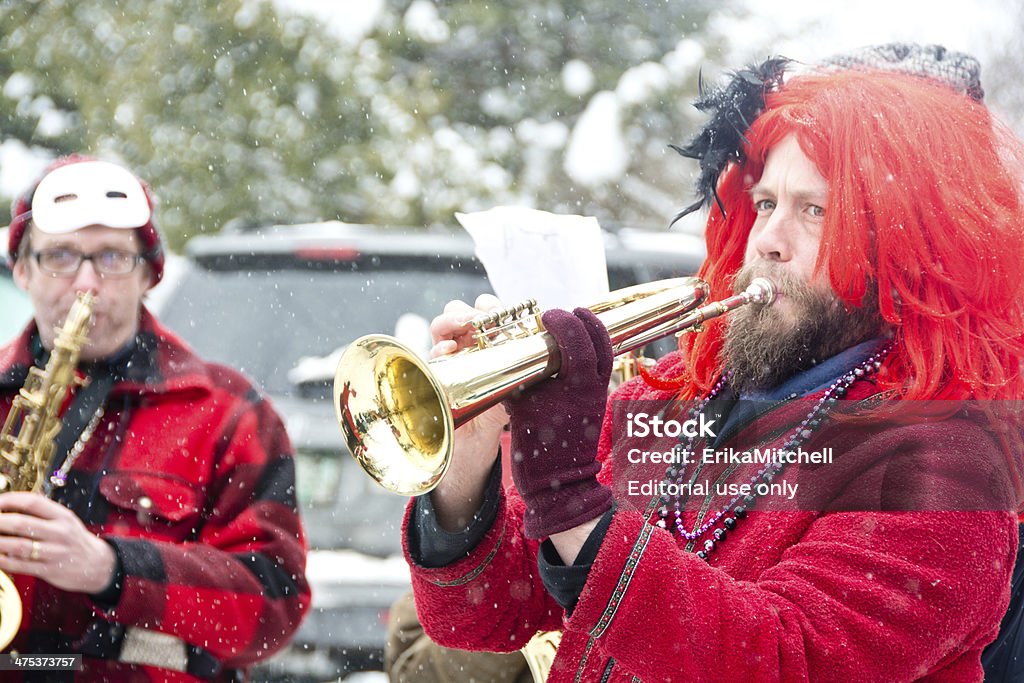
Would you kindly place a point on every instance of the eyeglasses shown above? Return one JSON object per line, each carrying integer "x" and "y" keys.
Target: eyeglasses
{"x": 62, "y": 262}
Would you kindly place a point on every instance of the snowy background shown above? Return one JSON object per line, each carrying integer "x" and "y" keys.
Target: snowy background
{"x": 807, "y": 32}
{"x": 406, "y": 112}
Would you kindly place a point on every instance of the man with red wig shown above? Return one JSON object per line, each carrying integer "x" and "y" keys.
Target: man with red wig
{"x": 886, "y": 208}
{"x": 165, "y": 544}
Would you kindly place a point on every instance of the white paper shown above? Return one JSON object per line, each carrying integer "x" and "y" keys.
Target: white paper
{"x": 529, "y": 254}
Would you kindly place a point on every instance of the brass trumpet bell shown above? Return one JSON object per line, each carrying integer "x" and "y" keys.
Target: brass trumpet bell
{"x": 394, "y": 414}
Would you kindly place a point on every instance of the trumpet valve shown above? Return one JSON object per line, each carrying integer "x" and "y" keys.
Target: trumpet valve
{"x": 515, "y": 322}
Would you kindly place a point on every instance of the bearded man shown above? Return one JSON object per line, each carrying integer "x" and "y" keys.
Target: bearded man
{"x": 887, "y": 210}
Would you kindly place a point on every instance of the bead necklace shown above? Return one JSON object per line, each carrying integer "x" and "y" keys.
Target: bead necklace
{"x": 59, "y": 478}
{"x": 738, "y": 506}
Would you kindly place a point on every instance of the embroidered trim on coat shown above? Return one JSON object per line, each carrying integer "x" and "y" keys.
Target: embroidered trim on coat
{"x": 476, "y": 571}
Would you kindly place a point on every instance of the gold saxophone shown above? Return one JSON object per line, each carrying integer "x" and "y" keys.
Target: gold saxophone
{"x": 27, "y": 439}
{"x": 540, "y": 653}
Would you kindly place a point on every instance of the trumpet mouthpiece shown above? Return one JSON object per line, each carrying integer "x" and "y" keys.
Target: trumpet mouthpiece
{"x": 761, "y": 291}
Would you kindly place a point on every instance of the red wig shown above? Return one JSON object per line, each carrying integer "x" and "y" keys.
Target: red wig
{"x": 924, "y": 204}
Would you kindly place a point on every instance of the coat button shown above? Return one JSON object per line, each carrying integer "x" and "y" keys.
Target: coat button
{"x": 145, "y": 505}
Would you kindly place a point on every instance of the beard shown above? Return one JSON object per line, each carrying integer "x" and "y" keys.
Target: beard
{"x": 764, "y": 347}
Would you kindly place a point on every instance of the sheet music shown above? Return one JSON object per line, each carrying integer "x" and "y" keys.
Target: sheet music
{"x": 556, "y": 259}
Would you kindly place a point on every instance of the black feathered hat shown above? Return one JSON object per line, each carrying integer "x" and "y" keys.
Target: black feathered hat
{"x": 733, "y": 108}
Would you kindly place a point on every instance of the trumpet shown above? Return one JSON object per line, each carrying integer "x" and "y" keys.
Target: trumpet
{"x": 398, "y": 412}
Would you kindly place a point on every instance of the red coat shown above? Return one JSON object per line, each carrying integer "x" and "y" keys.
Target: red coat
{"x": 789, "y": 596}
{"x": 190, "y": 475}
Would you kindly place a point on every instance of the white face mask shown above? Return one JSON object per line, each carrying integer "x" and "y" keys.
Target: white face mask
{"x": 89, "y": 193}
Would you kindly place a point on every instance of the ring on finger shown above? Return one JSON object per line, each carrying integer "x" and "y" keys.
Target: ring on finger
{"x": 34, "y": 555}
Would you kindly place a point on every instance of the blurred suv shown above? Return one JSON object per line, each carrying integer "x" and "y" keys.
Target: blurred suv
{"x": 280, "y": 303}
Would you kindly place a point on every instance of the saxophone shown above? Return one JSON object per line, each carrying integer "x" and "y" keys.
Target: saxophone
{"x": 540, "y": 653}
{"x": 27, "y": 439}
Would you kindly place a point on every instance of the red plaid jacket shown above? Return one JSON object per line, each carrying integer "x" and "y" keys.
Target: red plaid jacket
{"x": 190, "y": 476}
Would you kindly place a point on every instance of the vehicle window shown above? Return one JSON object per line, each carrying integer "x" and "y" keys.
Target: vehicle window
{"x": 635, "y": 270}
{"x": 16, "y": 307}
{"x": 264, "y": 321}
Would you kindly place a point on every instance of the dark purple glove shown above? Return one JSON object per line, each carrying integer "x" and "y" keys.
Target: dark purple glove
{"x": 555, "y": 428}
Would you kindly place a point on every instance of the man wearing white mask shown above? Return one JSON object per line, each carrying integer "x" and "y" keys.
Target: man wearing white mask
{"x": 166, "y": 544}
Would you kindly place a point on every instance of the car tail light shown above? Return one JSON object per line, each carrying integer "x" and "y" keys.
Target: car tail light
{"x": 327, "y": 253}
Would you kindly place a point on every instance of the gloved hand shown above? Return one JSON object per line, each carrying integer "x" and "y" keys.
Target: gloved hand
{"x": 555, "y": 427}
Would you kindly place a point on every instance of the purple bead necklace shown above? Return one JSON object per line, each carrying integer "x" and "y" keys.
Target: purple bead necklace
{"x": 671, "y": 518}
